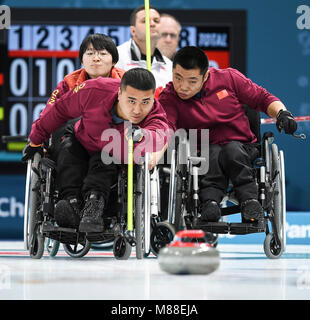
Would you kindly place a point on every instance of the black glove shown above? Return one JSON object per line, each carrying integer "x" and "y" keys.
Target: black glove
{"x": 286, "y": 121}
{"x": 30, "y": 150}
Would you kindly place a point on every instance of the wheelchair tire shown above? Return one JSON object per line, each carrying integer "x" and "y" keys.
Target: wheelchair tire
{"x": 139, "y": 214}
{"x": 279, "y": 209}
{"x": 34, "y": 201}
{"x": 75, "y": 252}
{"x": 121, "y": 248}
{"x": 52, "y": 247}
{"x": 162, "y": 234}
{"x": 212, "y": 239}
{"x": 36, "y": 246}
{"x": 271, "y": 248}
{"x": 179, "y": 205}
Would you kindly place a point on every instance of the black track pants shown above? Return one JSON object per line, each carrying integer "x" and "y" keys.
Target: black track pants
{"x": 78, "y": 173}
{"x": 233, "y": 162}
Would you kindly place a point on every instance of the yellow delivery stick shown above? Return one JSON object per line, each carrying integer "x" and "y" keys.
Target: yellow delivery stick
{"x": 147, "y": 35}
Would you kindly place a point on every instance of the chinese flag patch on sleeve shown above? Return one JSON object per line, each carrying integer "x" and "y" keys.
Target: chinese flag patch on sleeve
{"x": 222, "y": 94}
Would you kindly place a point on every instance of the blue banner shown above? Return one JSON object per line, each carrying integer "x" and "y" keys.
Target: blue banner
{"x": 12, "y": 198}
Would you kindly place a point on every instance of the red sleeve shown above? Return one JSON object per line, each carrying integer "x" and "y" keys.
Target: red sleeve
{"x": 166, "y": 100}
{"x": 59, "y": 91}
{"x": 250, "y": 93}
{"x": 59, "y": 111}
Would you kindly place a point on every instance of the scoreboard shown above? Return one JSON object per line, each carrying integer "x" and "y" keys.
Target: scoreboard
{"x": 39, "y": 56}
{"x": 42, "y": 46}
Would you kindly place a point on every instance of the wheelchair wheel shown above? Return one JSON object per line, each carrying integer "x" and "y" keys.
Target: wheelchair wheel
{"x": 278, "y": 202}
{"x": 139, "y": 214}
{"x": 180, "y": 189}
{"x": 121, "y": 248}
{"x": 179, "y": 205}
{"x": 52, "y": 247}
{"x": 77, "y": 251}
{"x": 36, "y": 245}
{"x": 273, "y": 248}
{"x": 31, "y": 217}
{"x": 212, "y": 239}
{"x": 162, "y": 234}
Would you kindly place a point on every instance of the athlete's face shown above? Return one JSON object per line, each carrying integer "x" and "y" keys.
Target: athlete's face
{"x": 188, "y": 83}
{"x": 133, "y": 104}
{"x": 97, "y": 62}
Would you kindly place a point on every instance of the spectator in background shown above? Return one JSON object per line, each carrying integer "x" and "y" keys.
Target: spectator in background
{"x": 170, "y": 29}
{"x": 132, "y": 53}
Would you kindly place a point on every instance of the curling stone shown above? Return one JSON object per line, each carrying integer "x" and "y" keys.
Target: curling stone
{"x": 184, "y": 257}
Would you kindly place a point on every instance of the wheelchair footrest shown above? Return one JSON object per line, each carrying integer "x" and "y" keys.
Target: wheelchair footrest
{"x": 231, "y": 228}
{"x": 100, "y": 236}
{"x": 214, "y": 227}
{"x": 63, "y": 235}
{"x": 109, "y": 233}
{"x": 50, "y": 227}
{"x": 245, "y": 228}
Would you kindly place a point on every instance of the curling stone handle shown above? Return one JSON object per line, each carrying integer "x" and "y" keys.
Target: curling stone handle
{"x": 190, "y": 234}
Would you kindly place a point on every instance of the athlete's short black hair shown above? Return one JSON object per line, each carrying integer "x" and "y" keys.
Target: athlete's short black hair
{"x": 191, "y": 57}
{"x": 100, "y": 42}
{"x": 138, "y": 78}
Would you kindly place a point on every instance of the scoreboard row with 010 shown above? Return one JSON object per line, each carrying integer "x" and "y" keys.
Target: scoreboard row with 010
{"x": 38, "y": 55}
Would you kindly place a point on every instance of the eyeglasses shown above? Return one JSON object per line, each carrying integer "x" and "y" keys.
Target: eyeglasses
{"x": 167, "y": 34}
{"x": 91, "y": 53}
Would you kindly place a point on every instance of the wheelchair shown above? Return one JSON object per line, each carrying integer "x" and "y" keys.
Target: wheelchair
{"x": 184, "y": 205}
{"x": 147, "y": 234}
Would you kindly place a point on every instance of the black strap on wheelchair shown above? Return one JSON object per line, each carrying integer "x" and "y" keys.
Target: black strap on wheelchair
{"x": 254, "y": 120}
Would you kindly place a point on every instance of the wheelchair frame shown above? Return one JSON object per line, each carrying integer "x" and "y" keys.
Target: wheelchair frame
{"x": 149, "y": 233}
{"x": 183, "y": 210}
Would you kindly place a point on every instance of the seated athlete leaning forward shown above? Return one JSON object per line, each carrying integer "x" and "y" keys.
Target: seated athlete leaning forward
{"x": 104, "y": 104}
{"x": 200, "y": 97}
